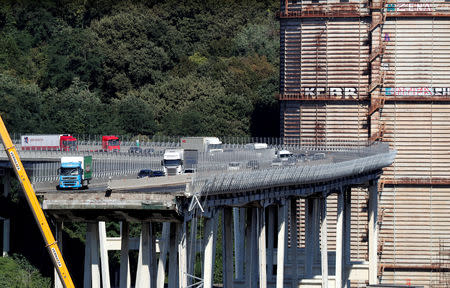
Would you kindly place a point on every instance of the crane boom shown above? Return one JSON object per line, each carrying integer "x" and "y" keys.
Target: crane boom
{"x": 50, "y": 243}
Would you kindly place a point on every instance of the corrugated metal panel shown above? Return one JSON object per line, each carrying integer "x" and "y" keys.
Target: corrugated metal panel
{"x": 319, "y": 122}
{"x": 324, "y": 58}
{"x": 414, "y": 223}
{"x": 420, "y": 132}
{"x": 416, "y": 58}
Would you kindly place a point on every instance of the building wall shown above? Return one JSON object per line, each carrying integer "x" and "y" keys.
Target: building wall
{"x": 379, "y": 70}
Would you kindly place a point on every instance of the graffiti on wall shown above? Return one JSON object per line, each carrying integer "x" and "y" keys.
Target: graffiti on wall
{"x": 417, "y": 91}
{"x": 334, "y": 92}
{"x": 409, "y": 7}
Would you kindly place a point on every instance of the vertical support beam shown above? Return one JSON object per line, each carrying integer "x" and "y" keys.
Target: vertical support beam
{"x": 95, "y": 257}
{"x": 339, "y": 240}
{"x": 7, "y": 237}
{"x": 143, "y": 274}
{"x": 373, "y": 232}
{"x": 270, "y": 241}
{"x": 210, "y": 234}
{"x": 323, "y": 241}
{"x": 309, "y": 237}
{"x": 282, "y": 216}
{"x": 58, "y": 234}
{"x": 87, "y": 281}
{"x": 192, "y": 248}
{"x": 182, "y": 255}
{"x": 125, "y": 280}
{"x": 227, "y": 250}
{"x": 153, "y": 263}
{"x": 163, "y": 248}
{"x": 173, "y": 256}
{"x": 294, "y": 248}
{"x": 6, "y": 222}
{"x": 6, "y": 183}
{"x": 239, "y": 242}
{"x": 103, "y": 255}
{"x": 347, "y": 234}
{"x": 262, "y": 247}
{"x": 248, "y": 242}
{"x": 254, "y": 248}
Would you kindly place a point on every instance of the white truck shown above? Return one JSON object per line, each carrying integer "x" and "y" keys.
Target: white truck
{"x": 202, "y": 144}
{"x": 173, "y": 162}
{"x": 284, "y": 155}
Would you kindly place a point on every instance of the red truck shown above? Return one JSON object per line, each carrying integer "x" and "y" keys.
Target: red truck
{"x": 55, "y": 142}
{"x": 110, "y": 143}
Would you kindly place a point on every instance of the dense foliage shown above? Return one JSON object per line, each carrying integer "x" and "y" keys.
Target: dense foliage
{"x": 142, "y": 67}
{"x": 17, "y": 272}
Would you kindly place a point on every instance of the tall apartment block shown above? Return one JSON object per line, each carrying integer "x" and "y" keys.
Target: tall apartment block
{"x": 377, "y": 70}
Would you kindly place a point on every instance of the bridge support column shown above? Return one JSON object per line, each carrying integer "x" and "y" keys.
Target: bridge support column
{"x": 210, "y": 245}
{"x": 173, "y": 256}
{"x": 373, "y": 232}
{"x": 163, "y": 248}
{"x": 103, "y": 255}
{"x": 192, "y": 248}
{"x": 261, "y": 219}
{"x": 182, "y": 254}
{"x": 6, "y": 222}
{"x": 311, "y": 234}
{"x": 270, "y": 241}
{"x": 294, "y": 248}
{"x": 125, "y": 280}
{"x": 347, "y": 234}
{"x": 282, "y": 216}
{"x": 92, "y": 257}
{"x": 58, "y": 238}
{"x": 145, "y": 276}
{"x": 323, "y": 241}
{"x": 339, "y": 240}
{"x": 239, "y": 243}
{"x": 227, "y": 250}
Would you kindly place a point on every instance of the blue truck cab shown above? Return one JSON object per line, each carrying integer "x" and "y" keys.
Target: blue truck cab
{"x": 75, "y": 172}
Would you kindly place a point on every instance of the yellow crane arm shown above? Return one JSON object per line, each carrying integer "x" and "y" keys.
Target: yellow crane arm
{"x": 39, "y": 216}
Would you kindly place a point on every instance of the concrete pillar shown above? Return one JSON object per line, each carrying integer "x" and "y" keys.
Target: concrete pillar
{"x": 270, "y": 241}
{"x": 339, "y": 240}
{"x": 294, "y": 248}
{"x": 6, "y": 183}
{"x": 282, "y": 216}
{"x": 182, "y": 255}
{"x": 309, "y": 237}
{"x": 163, "y": 248}
{"x": 146, "y": 260}
{"x": 251, "y": 248}
{"x": 347, "y": 234}
{"x": 6, "y": 237}
{"x": 173, "y": 257}
{"x": 125, "y": 280}
{"x": 239, "y": 231}
{"x": 92, "y": 258}
{"x": 261, "y": 217}
{"x": 58, "y": 238}
{"x": 208, "y": 262}
{"x": 103, "y": 255}
{"x": 373, "y": 232}
{"x": 192, "y": 248}
{"x": 323, "y": 241}
{"x": 87, "y": 281}
{"x": 227, "y": 250}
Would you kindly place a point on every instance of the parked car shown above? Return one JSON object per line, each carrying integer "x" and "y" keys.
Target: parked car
{"x": 253, "y": 164}
{"x": 150, "y": 173}
{"x": 148, "y": 151}
{"x": 144, "y": 173}
{"x": 135, "y": 150}
{"x": 276, "y": 162}
{"x": 233, "y": 166}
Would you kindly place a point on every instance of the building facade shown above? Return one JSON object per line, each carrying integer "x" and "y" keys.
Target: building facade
{"x": 373, "y": 70}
